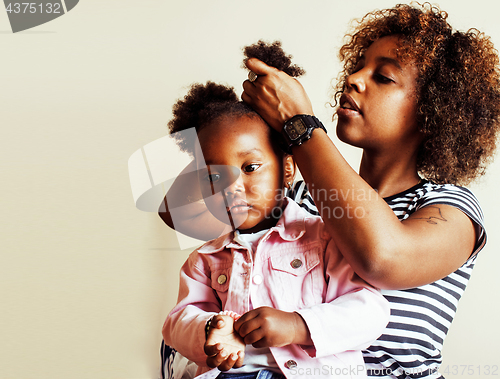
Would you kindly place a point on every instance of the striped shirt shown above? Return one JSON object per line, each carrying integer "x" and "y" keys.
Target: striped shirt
{"x": 420, "y": 317}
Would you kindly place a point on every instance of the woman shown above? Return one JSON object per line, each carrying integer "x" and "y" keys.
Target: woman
{"x": 422, "y": 102}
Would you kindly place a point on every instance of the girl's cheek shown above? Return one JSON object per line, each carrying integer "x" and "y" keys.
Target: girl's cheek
{"x": 216, "y": 204}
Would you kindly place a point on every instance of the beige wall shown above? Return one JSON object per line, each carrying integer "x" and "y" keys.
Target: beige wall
{"x": 86, "y": 278}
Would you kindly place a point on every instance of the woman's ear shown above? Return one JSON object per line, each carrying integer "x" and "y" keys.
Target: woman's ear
{"x": 289, "y": 168}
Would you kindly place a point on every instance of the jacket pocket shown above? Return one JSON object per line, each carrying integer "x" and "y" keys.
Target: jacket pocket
{"x": 296, "y": 263}
{"x": 298, "y": 279}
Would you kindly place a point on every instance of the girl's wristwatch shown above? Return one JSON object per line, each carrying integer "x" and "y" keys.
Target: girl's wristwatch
{"x": 299, "y": 129}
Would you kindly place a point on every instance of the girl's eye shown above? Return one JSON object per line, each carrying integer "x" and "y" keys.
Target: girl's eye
{"x": 251, "y": 167}
{"x": 212, "y": 178}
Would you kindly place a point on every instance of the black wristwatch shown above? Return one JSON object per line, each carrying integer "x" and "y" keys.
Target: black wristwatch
{"x": 299, "y": 129}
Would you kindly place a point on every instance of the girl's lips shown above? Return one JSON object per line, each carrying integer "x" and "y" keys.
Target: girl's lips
{"x": 239, "y": 206}
{"x": 237, "y": 209}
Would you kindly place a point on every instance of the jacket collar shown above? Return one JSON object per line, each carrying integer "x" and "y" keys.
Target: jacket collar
{"x": 290, "y": 227}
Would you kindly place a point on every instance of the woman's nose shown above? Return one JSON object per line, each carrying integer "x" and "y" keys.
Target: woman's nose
{"x": 356, "y": 81}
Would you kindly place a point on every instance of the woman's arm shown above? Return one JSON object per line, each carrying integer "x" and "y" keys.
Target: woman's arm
{"x": 351, "y": 316}
{"x": 387, "y": 253}
{"x": 384, "y": 251}
{"x": 184, "y": 209}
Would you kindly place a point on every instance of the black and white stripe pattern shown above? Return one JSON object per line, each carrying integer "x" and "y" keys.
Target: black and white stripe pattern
{"x": 420, "y": 317}
{"x": 301, "y": 196}
{"x": 167, "y": 355}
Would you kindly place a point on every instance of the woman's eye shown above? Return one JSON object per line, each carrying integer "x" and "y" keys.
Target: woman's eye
{"x": 251, "y": 167}
{"x": 382, "y": 79}
{"x": 359, "y": 65}
{"x": 212, "y": 178}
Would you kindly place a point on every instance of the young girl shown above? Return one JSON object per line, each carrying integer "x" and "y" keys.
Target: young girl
{"x": 292, "y": 305}
{"x": 423, "y": 102}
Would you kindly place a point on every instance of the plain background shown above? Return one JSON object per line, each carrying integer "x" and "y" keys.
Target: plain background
{"x": 86, "y": 279}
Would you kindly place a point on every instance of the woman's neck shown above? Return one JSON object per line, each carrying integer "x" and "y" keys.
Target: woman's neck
{"x": 388, "y": 175}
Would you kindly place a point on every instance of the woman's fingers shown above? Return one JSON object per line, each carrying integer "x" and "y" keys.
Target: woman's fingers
{"x": 276, "y": 96}
{"x": 249, "y": 92}
{"x": 258, "y": 67}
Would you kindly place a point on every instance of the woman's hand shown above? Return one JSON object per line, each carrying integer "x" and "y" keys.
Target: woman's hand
{"x": 269, "y": 327}
{"x": 224, "y": 348}
{"x": 276, "y": 96}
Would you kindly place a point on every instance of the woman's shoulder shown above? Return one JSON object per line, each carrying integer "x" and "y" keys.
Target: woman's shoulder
{"x": 463, "y": 199}
{"x": 426, "y": 193}
{"x": 450, "y": 194}
{"x": 426, "y": 189}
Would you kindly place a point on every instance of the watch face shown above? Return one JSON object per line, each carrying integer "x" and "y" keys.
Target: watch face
{"x": 295, "y": 129}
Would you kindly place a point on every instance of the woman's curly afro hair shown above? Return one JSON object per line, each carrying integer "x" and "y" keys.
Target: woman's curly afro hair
{"x": 207, "y": 103}
{"x": 457, "y": 89}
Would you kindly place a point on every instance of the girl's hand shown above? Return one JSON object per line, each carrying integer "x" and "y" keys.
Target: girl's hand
{"x": 224, "y": 348}
{"x": 269, "y": 327}
{"x": 276, "y": 96}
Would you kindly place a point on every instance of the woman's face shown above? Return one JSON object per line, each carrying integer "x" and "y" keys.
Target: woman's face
{"x": 378, "y": 108}
{"x": 241, "y": 177}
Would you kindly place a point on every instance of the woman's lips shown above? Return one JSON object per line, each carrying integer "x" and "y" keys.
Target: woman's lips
{"x": 348, "y": 106}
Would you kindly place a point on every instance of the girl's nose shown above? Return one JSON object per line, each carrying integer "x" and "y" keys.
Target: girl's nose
{"x": 356, "y": 81}
{"x": 236, "y": 187}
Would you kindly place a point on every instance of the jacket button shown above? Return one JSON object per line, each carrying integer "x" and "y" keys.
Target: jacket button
{"x": 257, "y": 279}
{"x": 222, "y": 279}
{"x": 296, "y": 263}
{"x": 290, "y": 364}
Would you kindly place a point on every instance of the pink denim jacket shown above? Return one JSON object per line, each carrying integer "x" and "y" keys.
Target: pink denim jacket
{"x": 296, "y": 267}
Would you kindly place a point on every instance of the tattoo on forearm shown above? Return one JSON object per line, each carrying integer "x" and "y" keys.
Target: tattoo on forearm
{"x": 430, "y": 218}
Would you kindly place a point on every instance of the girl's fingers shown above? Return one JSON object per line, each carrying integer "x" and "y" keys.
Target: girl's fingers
{"x": 239, "y": 361}
{"x": 254, "y": 337}
{"x": 217, "y": 322}
{"x": 246, "y": 324}
{"x": 213, "y": 350}
{"x": 217, "y": 360}
{"x": 228, "y": 363}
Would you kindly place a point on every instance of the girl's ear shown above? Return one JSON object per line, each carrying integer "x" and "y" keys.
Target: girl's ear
{"x": 289, "y": 168}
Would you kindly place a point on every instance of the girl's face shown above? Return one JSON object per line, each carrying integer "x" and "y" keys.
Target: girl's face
{"x": 242, "y": 175}
{"x": 378, "y": 108}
